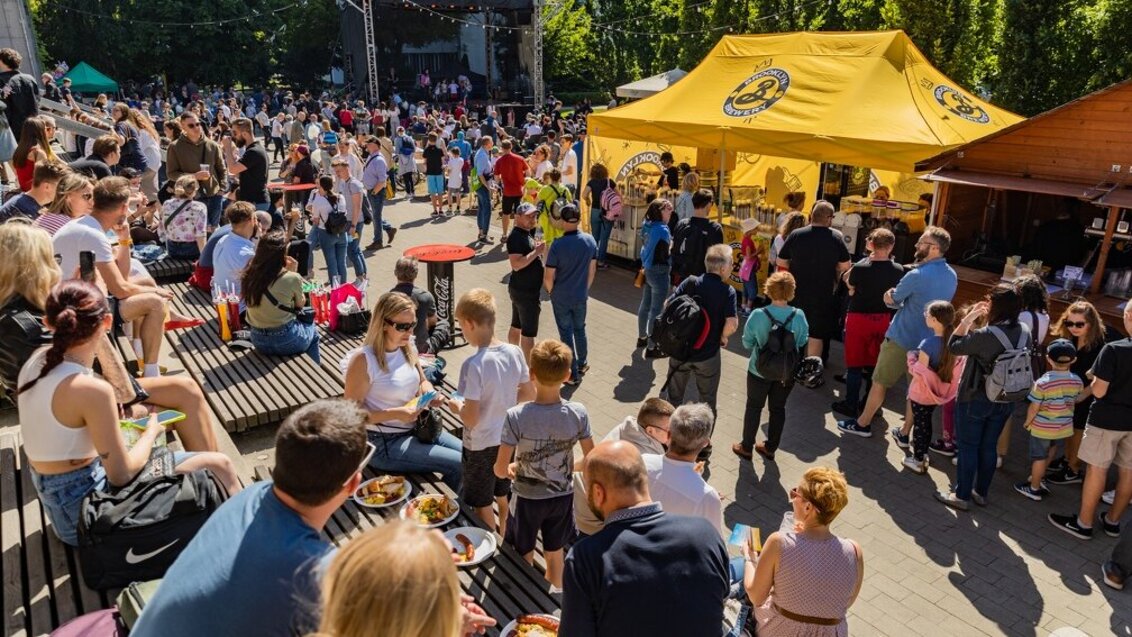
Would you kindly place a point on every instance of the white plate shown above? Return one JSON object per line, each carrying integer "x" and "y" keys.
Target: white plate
{"x": 514, "y": 625}
{"x": 405, "y": 511}
{"x": 483, "y": 540}
{"x": 361, "y": 502}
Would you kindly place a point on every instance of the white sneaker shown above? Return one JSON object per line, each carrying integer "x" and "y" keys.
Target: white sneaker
{"x": 916, "y": 466}
{"x": 1109, "y": 496}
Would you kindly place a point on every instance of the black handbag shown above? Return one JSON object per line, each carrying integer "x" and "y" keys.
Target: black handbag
{"x": 428, "y": 427}
{"x": 136, "y": 532}
{"x": 302, "y": 314}
{"x": 354, "y": 323}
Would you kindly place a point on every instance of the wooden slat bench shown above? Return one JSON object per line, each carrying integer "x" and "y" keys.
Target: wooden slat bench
{"x": 170, "y": 270}
{"x": 246, "y": 389}
{"x": 504, "y": 585}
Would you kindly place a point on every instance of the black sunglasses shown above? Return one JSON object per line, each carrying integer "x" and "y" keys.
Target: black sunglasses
{"x": 401, "y": 327}
{"x": 1074, "y": 323}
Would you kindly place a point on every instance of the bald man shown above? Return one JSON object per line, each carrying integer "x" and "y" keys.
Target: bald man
{"x": 619, "y": 581}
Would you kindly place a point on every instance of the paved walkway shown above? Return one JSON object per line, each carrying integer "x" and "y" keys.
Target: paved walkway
{"x": 999, "y": 570}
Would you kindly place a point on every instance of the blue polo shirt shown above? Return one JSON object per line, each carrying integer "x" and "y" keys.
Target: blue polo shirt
{"x": 570, "y": 256}
{"x": 22, "y": 205}
{"x": 717, "y": 298}
{"x": 930, "y": 281}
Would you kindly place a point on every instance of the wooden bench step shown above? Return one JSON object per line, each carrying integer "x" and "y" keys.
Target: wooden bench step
{"x": 170, "y": 270}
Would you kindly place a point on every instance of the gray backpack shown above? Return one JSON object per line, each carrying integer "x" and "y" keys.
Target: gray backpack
{"x": 1012, "y": 375}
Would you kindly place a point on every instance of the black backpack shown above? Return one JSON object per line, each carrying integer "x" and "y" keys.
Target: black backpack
{"x": 336, "y": 221}
{"x": 134, "y": 533}
{"x": 778, "y": 359}
{"x": 682, "y": 327}
{"x": 689, "y": 247}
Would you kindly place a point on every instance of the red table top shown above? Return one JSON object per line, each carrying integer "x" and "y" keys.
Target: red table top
{"x": 441, "y": 253}
{"x": 278, "y": 185}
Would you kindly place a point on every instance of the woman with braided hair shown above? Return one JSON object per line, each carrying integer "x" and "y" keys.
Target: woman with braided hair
{"x": 71, "y": 429}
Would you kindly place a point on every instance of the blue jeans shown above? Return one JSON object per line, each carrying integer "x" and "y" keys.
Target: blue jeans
{"x": 293, "y": 338}
{"x": 735, "y": 569}
{"x": 182, "y": 250}
{"x": 333, "y": 248}
{"x": 354, "y": 251}
{"x": 263, "y": 207}
{"x": 483, "y": 213}
{"x": 600, "y": 228}
{"x": 376, "y": 205}
{"x": 403, "y": 453}
{"x": 215, "y": 205}
{"x": 658, "y": 278}
{"x": 978, "y": 423}
{"x": 571, "y": 321}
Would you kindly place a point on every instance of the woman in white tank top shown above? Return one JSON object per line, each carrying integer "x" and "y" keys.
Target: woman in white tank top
{"x": 384, "y": 375}
{"x": 70, "y": 429}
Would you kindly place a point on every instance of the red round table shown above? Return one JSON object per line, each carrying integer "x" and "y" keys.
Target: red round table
{"x": 441, "y": 279}
{"x": 285, "y": 187}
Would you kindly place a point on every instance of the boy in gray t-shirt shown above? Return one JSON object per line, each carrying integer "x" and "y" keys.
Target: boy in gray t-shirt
{"x": 540, "y": 437}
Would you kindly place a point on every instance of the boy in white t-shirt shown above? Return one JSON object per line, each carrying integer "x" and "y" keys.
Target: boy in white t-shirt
{"x": 492, "y": 380}
{"x": 455, "y": 171}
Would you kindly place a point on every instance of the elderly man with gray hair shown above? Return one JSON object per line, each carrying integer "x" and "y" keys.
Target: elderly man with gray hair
{"x": 674, "y": 478}
{"x": 431, "y": 333}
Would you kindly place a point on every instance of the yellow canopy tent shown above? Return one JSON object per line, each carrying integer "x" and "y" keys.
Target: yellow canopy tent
{"x": 863, "y": 99}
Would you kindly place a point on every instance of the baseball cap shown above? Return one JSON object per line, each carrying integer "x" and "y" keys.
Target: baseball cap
{"x": 526, "y": 208}
{"x": 570, "y": 213}
{"x": 1061, "y": 351}
{"x": 373, "y": 139}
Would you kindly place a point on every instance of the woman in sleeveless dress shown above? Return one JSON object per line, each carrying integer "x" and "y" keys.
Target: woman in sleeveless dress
{"x": 805, "y": 579}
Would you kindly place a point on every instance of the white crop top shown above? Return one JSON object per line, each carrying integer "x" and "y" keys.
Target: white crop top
{"x": 388, "y": 389}
{"x": 45, "y": 438}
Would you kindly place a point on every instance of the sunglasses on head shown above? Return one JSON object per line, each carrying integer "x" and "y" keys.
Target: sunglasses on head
{"x": 401, "y": 327}
{"x": 1075, "y": 323}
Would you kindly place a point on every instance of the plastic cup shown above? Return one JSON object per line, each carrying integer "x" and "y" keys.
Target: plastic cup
{"x": 222, "y": 314}
{"x": 234, "y": 314}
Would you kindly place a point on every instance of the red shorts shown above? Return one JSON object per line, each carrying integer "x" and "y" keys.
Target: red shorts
{"x": 863, "y": 335}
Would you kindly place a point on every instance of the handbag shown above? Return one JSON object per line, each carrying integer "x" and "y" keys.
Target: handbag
{"x": 428, "y": 427}
{"x": 302, "y": 314}
{"x": 355, "y": 323}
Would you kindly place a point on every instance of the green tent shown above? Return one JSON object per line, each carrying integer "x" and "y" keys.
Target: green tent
{"x": 87, "y": 79}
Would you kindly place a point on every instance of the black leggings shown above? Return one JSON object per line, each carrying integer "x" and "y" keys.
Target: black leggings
{"x": 921, "y": 429}
{"x": 759, "y": 392}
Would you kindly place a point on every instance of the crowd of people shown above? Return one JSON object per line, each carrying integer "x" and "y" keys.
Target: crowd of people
{"x": 613, "y": 517}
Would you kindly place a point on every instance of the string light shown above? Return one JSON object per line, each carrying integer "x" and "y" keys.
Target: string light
{"x": 167, "y": 23}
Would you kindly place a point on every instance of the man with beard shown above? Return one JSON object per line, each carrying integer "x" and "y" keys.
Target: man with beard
{"x": 251, "y": 167}
{"x": 619, "y": 580}
{"x": 930, "y": 280}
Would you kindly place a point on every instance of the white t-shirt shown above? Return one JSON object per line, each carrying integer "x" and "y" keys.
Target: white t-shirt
{"x": 1027, "y": 318}
{"x": 320, "y": 207}
{"x": 455, "y": 173}
{"x": 541, "y": 168}
{"x": 231, "y": 256}
{"x": 682, "y": 491}
{"x": 81, "y": 235}
{"x": 533, "y": 129}
{"x": 389, "y": 389}
{"x": 569, "y": 163}
{"x": 492, "y": 377}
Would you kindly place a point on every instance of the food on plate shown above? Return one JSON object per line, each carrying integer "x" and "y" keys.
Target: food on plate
{"x": 382, "y": 490}
{"x": 431, "y": 509}
{"x": 535, "y": 626}
{"x": 468, "y": 552}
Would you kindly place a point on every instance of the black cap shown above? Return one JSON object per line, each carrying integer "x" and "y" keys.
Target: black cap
{"x": 1061, "y": 351}
{"x": 570, "y": 213}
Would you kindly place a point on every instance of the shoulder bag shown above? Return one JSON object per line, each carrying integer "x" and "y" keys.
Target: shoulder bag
{"x": 302, "y": 315}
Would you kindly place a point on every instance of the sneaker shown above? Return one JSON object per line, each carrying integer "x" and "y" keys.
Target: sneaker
{"x": 845, "y": 408}
{"x": 916, "y": 466}
{"x": 1111, "y": 529}
{"x": 741, "y": 451}
{"x": 851, "y": 426}
{"x": 1057, "y": 465}
{"x": 1112, "y": 575}
{"x": 573, "y": 381}
{"x": 1028, "y": 491}
{"x": 1064, "y": 476}
{"x": 583, "y": 368}
{"x": 705, "y": 454}
{"x": 943, "y": 447}
{"x": 1108, "y": 496}
{"x": 901, "y": 439}
{"x": 949, "y": 498}
{"x": 603, "y": 266}
{"x": 978, "y": 499}
{"x": 392, "y": 233}
{"x": 641, "y": 342}
{"x": 655, "y": 352}
{"x": 1070, "y": 525}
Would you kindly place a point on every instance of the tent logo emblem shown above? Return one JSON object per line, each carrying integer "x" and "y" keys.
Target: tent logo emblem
{"x": 961, "y": 105}
{"x": 757, "y": 93}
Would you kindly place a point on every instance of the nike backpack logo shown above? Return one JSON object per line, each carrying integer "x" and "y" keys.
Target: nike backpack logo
{"x": 134, "y": 558}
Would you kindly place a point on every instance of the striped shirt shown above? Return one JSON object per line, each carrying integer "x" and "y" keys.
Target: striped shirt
{"x": 51, "y": 222}
{"x": 1055, "y": 393}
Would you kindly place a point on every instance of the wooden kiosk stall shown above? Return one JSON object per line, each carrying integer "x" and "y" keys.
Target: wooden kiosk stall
{"x": 1051, "y": 194}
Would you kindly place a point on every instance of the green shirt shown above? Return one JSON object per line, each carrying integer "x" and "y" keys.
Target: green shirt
{"x": 288, "y": 291}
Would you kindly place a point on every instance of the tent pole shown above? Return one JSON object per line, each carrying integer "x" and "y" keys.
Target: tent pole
{"x": 722, "y": 174}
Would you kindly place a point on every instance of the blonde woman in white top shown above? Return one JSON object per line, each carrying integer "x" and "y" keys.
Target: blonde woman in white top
{"x": 384, "y": 376}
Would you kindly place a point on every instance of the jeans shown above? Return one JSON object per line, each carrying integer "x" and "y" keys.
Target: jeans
{"x": 62, "y": 494}
{"x": 705, "y": 373}
{"x": 854, "y": 377}
{"x": 376, "y": 206}
{"x": 403, "y": 453}
{"x": 978, "y": 423}
{"x": 280, "y": 150}
{"x": 735, "y": 570}
{"x": 759, "y": 390}
{"x": 215, "y": 205}
{"x": 483, "y": 212}
{"x": 293, "y": 338}
{"x": 333, "y": 248}
{"x": 354, "y": 251}
{"x": 571, "y": 322}
{"x": 658, "y": 278}
{"x": 182, "y": 250}
{"x": 600, "y": 228}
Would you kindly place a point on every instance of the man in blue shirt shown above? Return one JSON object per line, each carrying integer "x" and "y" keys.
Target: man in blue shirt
{"x": 570, "y": 267}
{"x": 931, "y": 280}
{"x": 253, "y": 568}
{"x": 484, "y": 174}
{"x": 620, "y": 581}
{"x": 236, "y": 250}
{"x": 44, "y": 180}
{"x": 375, "y": 174}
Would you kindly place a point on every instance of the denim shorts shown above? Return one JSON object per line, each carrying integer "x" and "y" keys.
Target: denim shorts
{"x": 1039, "y": 447}
{"x": 61, "y": 495}
{"x": 293, "y": 338}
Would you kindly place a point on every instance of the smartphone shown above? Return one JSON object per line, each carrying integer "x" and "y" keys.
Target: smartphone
{"x": 86, "y": 266}
{"x": 166, "y": 417}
